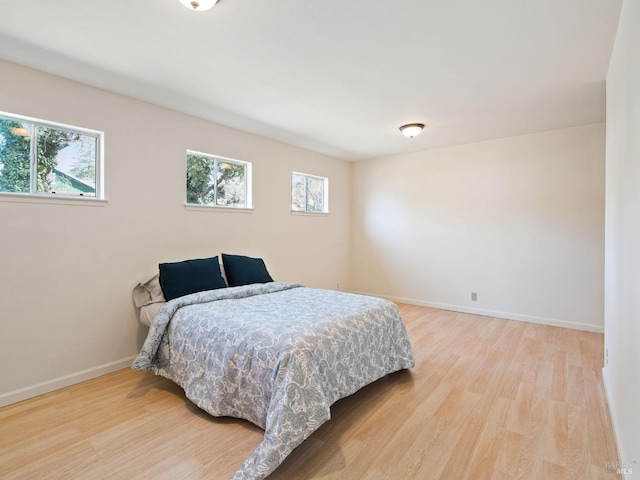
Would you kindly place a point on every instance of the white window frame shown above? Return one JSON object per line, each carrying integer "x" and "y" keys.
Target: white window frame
{"x": 248, "y": 184}
{"x": 325, "y": 194}
{"x": 56, "y": 197}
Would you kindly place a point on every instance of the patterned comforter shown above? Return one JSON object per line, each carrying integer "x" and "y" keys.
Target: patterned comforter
{"x": 276, "y": 354}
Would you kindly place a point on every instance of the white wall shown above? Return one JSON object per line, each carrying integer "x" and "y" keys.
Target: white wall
{"x": 66, "y": 272}
{"x": 518, "y": 220}
{"x": 622, "y": 258}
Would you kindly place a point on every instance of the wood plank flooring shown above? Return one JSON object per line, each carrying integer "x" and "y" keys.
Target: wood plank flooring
{"x": 488, "y": 399}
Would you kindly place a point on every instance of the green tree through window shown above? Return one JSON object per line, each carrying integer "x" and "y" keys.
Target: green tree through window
{"x": 216, "y": 181}
{"x": 15, "y": 163}
{"x": 36, "y": 158}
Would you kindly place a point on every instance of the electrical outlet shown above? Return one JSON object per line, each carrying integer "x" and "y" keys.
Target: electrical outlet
{"x": 337, "y": 286}
{"x": 474, "y": 297}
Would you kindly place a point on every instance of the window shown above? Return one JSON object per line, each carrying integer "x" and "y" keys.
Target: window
{"x": 44, "y": 158}
{"x": 218, "y": 181}
{"x": 309, "y": 193}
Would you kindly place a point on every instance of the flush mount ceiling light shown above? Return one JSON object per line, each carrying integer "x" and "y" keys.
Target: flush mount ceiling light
{"x": 411, "y": 129}
{"x": 200, "y": 5}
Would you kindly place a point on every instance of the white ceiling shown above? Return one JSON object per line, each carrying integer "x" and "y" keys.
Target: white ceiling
{"x": 335, "y": 76}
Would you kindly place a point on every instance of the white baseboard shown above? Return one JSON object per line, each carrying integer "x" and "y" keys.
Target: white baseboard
{"x": 490, "y": 313}
{"x": 622, "y": 465}
{"x": 61, "y": 382}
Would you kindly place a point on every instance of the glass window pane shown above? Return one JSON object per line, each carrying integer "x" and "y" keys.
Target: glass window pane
{"x": 230, "y": 184}
{"x": 217, "y": 181}
{"x": 15, "y": 159}
{"x": 66, "y": 162}
{"x": 315, "y": 194}
{"x": 40, "y": 157}
{"x": 308, "y": 193}
{"x": 298, "y": 193}
{"x": 200, "y": 185}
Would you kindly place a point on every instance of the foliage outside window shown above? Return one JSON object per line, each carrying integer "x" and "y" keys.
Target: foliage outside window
{"x": 218, "y": 181}
{"x": 309, "y": 193}
{"x": 38, "y": 157}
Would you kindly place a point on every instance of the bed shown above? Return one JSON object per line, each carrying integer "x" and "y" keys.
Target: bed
{"x": 276, "y": 354}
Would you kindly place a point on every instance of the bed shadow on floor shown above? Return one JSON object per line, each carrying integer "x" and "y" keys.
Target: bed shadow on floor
{"x": 323, "y": 452}
{"x": 151, "y": 382}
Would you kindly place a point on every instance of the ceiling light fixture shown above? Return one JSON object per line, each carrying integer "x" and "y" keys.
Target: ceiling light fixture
{"x": 199, "y": 6}
{"x": 411, "y": 129}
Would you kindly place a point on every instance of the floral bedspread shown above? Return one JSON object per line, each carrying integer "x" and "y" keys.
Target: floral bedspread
{"x": 276, "y": 354}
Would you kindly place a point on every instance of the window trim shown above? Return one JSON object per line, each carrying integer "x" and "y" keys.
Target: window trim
{"x": 195, "y": 207}
{"x": 325, "y": 195}
{"x": 55, "y": 199}
{"x": 47, "y": 197}
{"x": 248, "y": 185}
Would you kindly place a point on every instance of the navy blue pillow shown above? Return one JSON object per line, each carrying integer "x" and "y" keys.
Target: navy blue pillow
{"x": 190, "y": 276}
{"x": 242, "y": 270}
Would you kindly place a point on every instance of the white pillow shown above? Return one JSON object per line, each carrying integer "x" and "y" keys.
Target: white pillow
{"x": 148, "y": 291}
{"x": 149, "y": 312}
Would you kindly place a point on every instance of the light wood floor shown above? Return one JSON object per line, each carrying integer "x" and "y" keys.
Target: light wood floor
{"x": 488, "y": 399}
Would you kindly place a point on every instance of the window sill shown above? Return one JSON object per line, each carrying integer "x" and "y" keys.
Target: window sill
{"x": 53, "y": 199}
{"x": 216, "y": 208}
{"x": 310, "y": 214}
